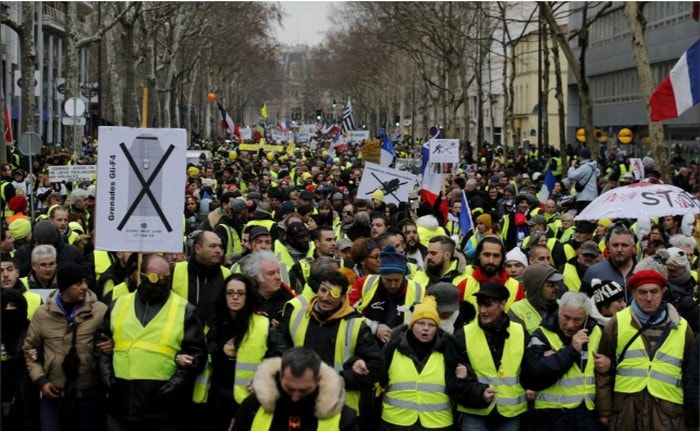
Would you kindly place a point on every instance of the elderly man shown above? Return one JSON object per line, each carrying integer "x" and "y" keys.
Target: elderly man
{"x": 43, "y": 268}
{"x": 328, "y": 324}
{"x": 386, "y": 298}
{"x": 264, "y": 267}
{"x": 650, "y": 344}
{"x": 492, "y": 348}
{"x": 200, "y": 278}
{"x": 154, "y": 331}
{"x": 558, "y": 365}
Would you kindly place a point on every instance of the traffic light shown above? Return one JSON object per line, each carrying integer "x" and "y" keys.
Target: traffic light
{"x": 333, "y": 103}
{"x": 397, "y": 121}
{"x": 318, "y": 115}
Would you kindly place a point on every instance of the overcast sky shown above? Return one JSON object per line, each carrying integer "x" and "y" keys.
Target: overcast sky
{"x": 305, "y": 22}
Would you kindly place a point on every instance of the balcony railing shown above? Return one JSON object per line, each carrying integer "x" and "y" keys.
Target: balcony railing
{"x": 57, "y": 19}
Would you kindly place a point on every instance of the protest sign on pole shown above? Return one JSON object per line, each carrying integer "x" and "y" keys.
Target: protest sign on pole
{"x": 141, "y": 189}
{"x": 395, "y": 184}
{"x": 444, "y": 156}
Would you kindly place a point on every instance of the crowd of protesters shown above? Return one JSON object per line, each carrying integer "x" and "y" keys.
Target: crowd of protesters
{"x": 296, "y": 304}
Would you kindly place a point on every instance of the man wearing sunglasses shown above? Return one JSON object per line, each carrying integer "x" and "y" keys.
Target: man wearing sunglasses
{"x": 157, "y": 355}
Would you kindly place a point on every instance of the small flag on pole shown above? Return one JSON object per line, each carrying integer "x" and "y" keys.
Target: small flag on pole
{"x": 348, "y": 119}
{"x": 680, "y": 90}
{"x": 465, "y": 216}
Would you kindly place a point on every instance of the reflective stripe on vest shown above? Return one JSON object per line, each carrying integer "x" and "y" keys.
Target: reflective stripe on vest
{"x": 661, "y": 376}
{"x": 411, "y": 396}
{"x": 575, "y": 386}
{"x": 345, "y": 341}
{"x": 233, "y": 241}
{"x": 250, "y": 354}
{"x": 510, "y": 396}
{"x": 414, "y": 293}
{"x": 472, "y": 286}
{"x": 147, "y": 353}
{"x": 263, "y": 421}
{"x": 528, "y": 314}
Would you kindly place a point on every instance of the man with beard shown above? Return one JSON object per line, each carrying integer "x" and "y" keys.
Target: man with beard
{"x": 151, "y": 328}
{"x": 295, "y": 245}
{"x": 327, "y": 323}
{"x": 387, "y": 297}
{"x": 200, "y": 278}
{"x": 542, "y": 286}
{"x": 324, "y": 246}
{"x": 415, "y": 251}
{"x": 489, "y": 266}
{"x": 588, "y": 254}
{"x": 443, "y": 264}
{"x": 622, "y": 245}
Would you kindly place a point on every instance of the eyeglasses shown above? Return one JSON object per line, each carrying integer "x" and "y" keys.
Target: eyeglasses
{"x": 349, "y": 213}
{"x": 155, "y": 278}
{"x": 46, "y": 265}
{"x": 235, "y": 293}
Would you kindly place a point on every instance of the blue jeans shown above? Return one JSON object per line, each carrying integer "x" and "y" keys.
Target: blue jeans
{"x": 469, "y": 422}
{"x": 90, "y": 414}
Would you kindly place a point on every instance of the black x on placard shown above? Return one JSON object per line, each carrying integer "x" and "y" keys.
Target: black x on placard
{"x": 146, "y": 187}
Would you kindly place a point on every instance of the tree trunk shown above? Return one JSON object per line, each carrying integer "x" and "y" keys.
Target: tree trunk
{"x": 543, "y": 139}
{"x": 561, "y": 107}
{"x": 131, "y": 106}
{"x": 28, "y": 64}
{"x": 637, "y": 23}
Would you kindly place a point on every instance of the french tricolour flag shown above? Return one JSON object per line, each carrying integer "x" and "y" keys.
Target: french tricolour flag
{"x": 680, "y": 90}
{"x": 431, "y": 185}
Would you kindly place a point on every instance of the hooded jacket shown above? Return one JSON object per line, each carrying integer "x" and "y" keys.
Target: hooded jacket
{"x": 327, "y": 401}
{"x": 587, "y": 171}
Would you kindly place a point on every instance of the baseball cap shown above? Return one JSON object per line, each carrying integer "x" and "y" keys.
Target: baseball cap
{"x": 538, "y": 219}
{"x": 257, "y": 231}
{"x": 590, "y": 248}
{"x": 446, "y": 295}
{"x": 344, "y": 244}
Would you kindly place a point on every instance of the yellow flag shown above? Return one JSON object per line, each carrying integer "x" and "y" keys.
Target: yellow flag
{"x": 263, "y": 110}
{"x": 290, "y": 147}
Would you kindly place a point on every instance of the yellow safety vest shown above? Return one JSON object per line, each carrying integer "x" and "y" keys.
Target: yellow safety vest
{"x": 423, "y": 279}
{"x": 528, "y": 314}
{"x": 147, "y": 353}
{"x": 263, "y": 421}
{"x": 33, "y": 299}
{"x": 345, "y": 341}
{"x": 412, "y": 397}
{"x": 102, "y": 262}
{"x": 425, "y": 234}
{"x": 181, "y": 278}
{"x": 233, "y": 241}
{"x": 571, "y": 279}
{"x": 268, "y": 224}
{"x": 660, "y": 375}
{"x": 510, "y": 399}
{"x": 286, "y": 258}
{"x": 575, "y": 386}
{"x": 414, "y": 294}
{"x": 472, "y": 286}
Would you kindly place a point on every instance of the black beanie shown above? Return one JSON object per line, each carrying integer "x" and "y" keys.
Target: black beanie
{"x": 45, "y": 233}
{"x": 69, "y": 274}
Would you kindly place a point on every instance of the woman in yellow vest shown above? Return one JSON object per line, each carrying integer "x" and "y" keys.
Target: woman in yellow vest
{"x": 238, "y": 340}
{"x": 419, "y": 358}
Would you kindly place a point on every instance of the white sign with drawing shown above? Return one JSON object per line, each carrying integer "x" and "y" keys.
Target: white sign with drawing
{"x": 444, "y": 156}
{"x": 140, "y": 184}
{"x": 395, "y": 184}
{"x": 357, "y": 135}
{"x": 72, "y": 173}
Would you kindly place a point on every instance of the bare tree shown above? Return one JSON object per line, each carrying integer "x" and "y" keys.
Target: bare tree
{"x": 635, "y": 17}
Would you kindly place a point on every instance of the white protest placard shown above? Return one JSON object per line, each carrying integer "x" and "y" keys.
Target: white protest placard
{"x": 140, "y": 189}
{"x": 281, "y": 136}
{"x": 72, "y": 173}
{"x": 357, "y": 136}
{"x": 309, "y": 128}
{"x": 395, "y": 184}
{"x": 247, "y": 134}
{"x": 303, "y": 137}
{"x": 444, "y": 156}
{"x": 637, "y": 168}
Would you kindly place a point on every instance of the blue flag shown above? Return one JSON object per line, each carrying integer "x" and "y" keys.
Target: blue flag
{"x": 387, "y": 154}
{"x": 547, "y": 186}
{"x": 465, "y": 216}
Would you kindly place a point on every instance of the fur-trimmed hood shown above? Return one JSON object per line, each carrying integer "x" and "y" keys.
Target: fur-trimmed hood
{"x": 331, "y": 390}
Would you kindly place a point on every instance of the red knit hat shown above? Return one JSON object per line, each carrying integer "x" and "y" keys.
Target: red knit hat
{"x": 17, "y": 204}
{"x": 646, "y": 276}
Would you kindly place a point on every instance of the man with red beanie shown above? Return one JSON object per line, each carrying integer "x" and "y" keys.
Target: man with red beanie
{"x": 649, "y": 344}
